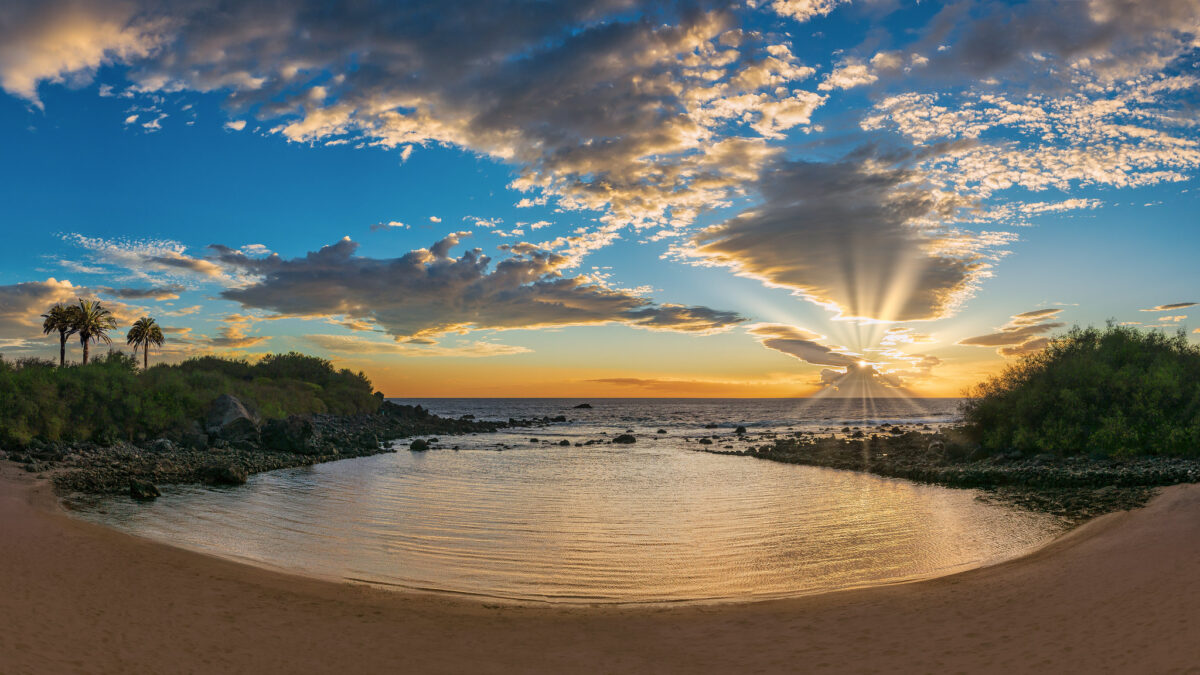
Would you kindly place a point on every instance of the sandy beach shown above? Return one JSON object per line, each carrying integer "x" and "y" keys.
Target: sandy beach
{"x": 1119, "y": 594}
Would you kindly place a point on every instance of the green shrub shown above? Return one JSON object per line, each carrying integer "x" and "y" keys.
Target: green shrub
{"x": 1114, "y": 392}
{"x": 111, "y": 400}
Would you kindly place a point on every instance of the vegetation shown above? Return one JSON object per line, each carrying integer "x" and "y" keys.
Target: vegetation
{"x": 143, "y": 333}
{"x": 60, "y": 319}
{"x": 1113, "y": 392}
{"x": 92, "y": 321}
{"x": 110, "y": 399}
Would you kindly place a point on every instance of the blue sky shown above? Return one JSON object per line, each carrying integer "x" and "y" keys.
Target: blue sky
{"x": 773, "y": 198}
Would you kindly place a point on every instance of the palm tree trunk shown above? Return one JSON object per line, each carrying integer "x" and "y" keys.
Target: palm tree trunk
{"x": 62, "y": 349}
{"x": 85, "y": 351}
{"x": 146, "y": 357}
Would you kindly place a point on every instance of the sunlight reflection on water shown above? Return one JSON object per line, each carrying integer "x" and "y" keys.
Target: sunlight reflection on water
{"x": 643, "y": 523}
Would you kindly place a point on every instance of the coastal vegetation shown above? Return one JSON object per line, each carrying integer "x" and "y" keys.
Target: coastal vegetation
{"x": 1112, "y": 392}
{"x": 110, "y": 399}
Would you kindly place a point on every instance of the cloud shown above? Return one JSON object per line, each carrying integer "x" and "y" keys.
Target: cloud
{"x": 427, "y": 293}
{"x": 804, "y": 10}
{"x": 67, "y": 40}
{"x": 848, "y": 76}
{"x": 856, "y": 236}
{"x": 22, "y": 304}
{"x": 645, "y": 117}
{"x": 1023, "y": 334}
{"x": 234, "y": 334}
{"x": 1115, "y": 39}
{"x": 390, "y": 225}
{"x": 235, "y": 125}
{"x": 161, "y": 261}
{"x": 352, "y": 344}
{"x": 168, "y": 292}
{"x": 1167, "y": 308}
{"x": 802, "y": 344}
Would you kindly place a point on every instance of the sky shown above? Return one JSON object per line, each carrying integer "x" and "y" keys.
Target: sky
{"x": 601, "y": 197}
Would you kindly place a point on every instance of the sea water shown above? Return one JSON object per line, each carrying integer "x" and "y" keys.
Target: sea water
{"x": 516, "y": 515}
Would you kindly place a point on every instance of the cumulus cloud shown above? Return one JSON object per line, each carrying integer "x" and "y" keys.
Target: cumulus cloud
{"x": 427, "y": 293}
{"x": 1023, "y": 334}
{"x": 858, "y": 236}
{"x": 1167, "y": 308}
{"x": 67, "y": 40}
{"x": 22, "y": 304}
{"x": 848, "y": 76}
{"x": 804, "y": 10}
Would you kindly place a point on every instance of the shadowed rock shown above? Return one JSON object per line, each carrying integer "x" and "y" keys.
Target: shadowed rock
{"x": 230, "y": 420}
{"x": 142, "y": 490}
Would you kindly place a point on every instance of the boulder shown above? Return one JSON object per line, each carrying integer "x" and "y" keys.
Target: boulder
{"x": 565, "y": 443}
{"x": 740, "y": 430}
{"x": 419, "y": 445}
{"x": 223, "y": 474}
{"x": 229, "y": 420}
{"x": 583, "y": 406}
{"x": 142, "y": 490}
{"x": 293, "y": 434}
{"x": 161, "y": 445}
{"x": 625, "y": 438}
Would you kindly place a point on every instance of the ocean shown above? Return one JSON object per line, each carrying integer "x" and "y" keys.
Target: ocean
{"x": 518, "y": 516}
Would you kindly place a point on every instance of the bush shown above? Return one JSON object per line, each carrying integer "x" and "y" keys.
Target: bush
{"x": 1115, "y": 392}
{"x": 111, "y": 400}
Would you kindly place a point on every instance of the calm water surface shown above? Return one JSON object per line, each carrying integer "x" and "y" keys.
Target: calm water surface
{"x": 655, "y": 521}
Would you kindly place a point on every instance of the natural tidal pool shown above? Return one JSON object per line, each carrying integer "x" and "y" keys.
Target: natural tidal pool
{"x": 649, "y": 522}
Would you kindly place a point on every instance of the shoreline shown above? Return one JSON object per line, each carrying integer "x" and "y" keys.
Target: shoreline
{"x": 1115, "y": 594}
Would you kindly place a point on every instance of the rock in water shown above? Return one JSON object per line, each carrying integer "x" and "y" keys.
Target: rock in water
{"x": 419, "y": 445}
{"x": 625, "y": 438}
{"x": 583, "y": 406}
{"x": 740, "y": 430}
{"x": 223, "y": 474}
{"x": 230, "y": 420}
{"x": 142, "y": 490}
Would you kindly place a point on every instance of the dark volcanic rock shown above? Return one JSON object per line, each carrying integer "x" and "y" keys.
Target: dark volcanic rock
{"x": 223, "y": 474}
{"x": 229, "y": 420}
{"x": 142, "y": 490}
{"x": 625, "y": 438}
{"x": 292, "y": 434}
{"x": 740, "y": 430}
{"x": 419, "y": 445}
{"x": 583, "y": 406}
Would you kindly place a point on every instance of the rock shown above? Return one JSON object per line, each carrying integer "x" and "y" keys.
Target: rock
{"x": 705, "y": 441}
{"x": 162, "y": 445}
{"x": 583, "y": 406}
{"x": 565, "y": 443}
{"x": 661, "y": 431}
{"x": 296, "y": 433}
{"x": 711, "y": 425}
{"x": 419, "y": 445}
{"x": 34, "y": 467}
{"x": 230, "y": 420}
{"x": 740, "y": 430}
{"x": 625, "y": 438}
{"x": 3, "y": 455}
{"x": 142, "y": 490}
{"x": 223, "y": 474}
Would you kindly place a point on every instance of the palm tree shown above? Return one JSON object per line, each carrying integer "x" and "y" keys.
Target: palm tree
{"x": 60, "y": 318}
{"x": 92, "y": 322}
{"x": 143, "y": 333}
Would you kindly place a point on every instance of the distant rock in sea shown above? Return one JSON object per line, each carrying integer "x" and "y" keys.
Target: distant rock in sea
{"x": 582, "y": 406}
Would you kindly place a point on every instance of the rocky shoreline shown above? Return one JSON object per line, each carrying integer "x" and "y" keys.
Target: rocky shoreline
{"x": 1074, "y": 488}
{"x": 233, "y": 444}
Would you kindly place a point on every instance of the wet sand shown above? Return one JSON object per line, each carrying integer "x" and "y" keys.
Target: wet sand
{"x": 1119, "y": 594}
